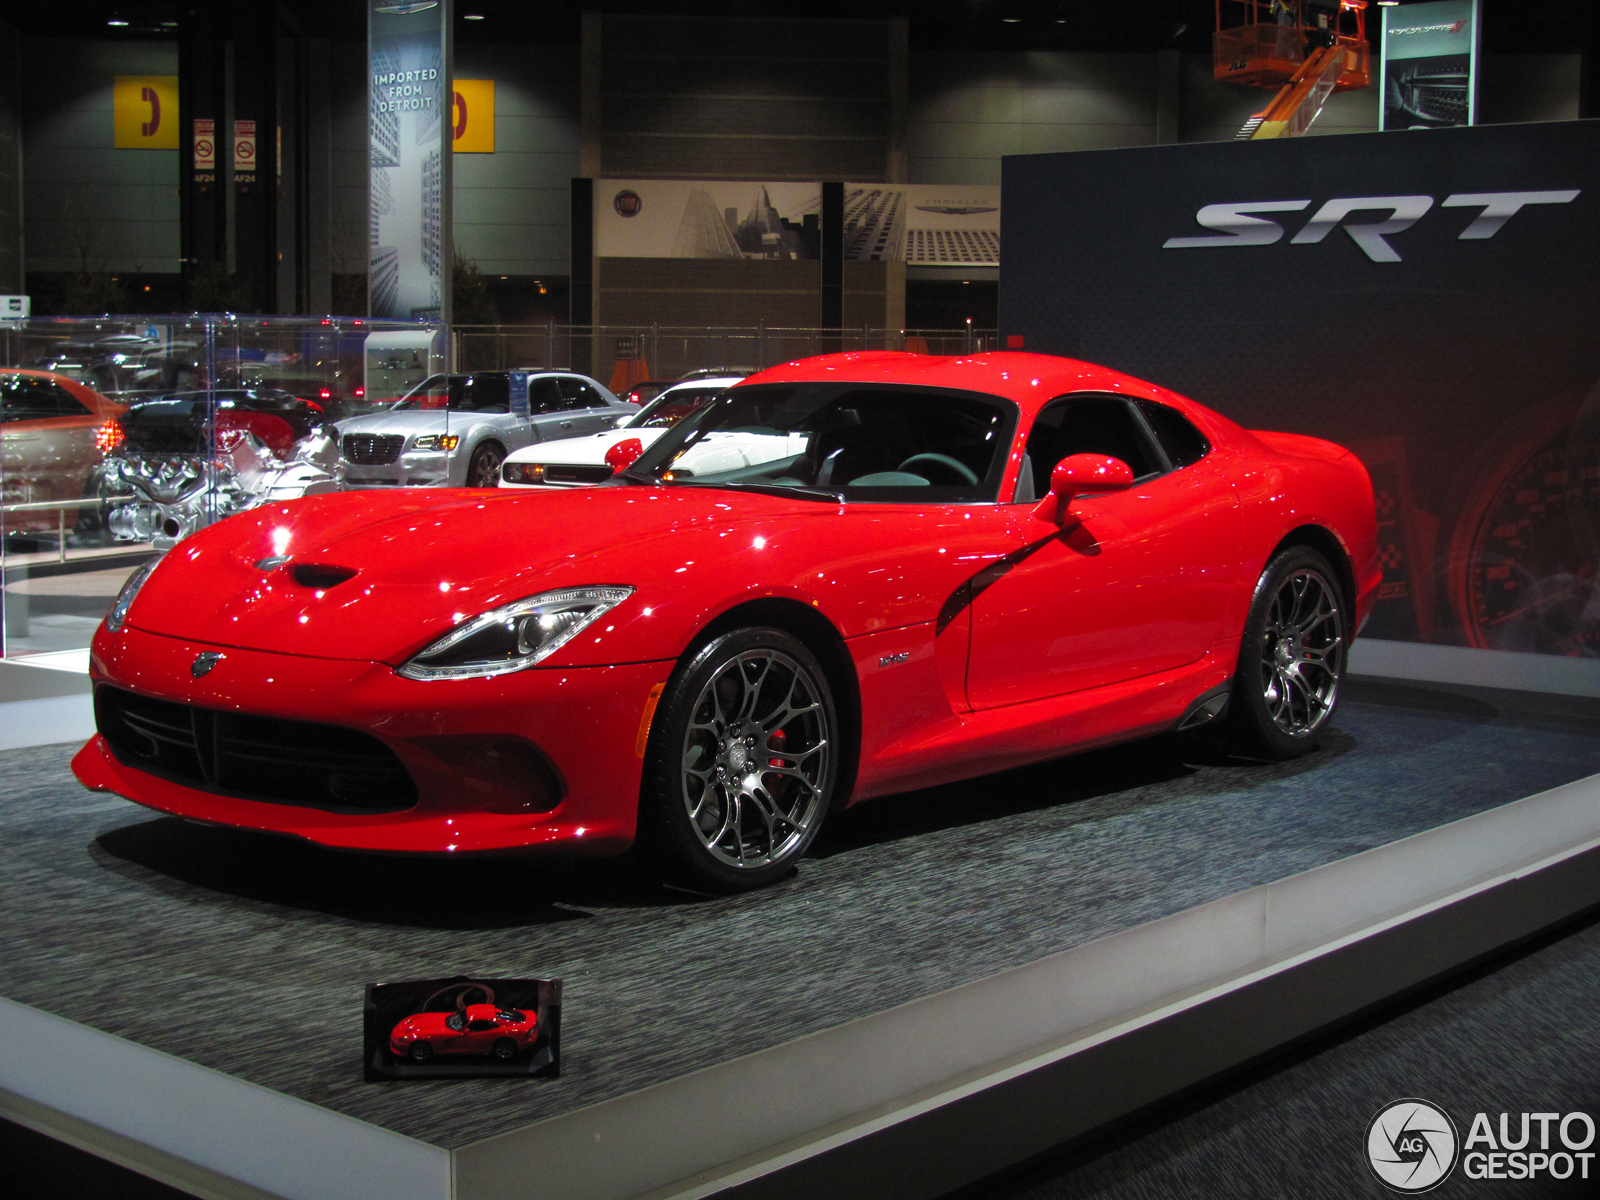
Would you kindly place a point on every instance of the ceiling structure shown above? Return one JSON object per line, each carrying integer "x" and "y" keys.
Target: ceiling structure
{"x": 1510, "y": 26}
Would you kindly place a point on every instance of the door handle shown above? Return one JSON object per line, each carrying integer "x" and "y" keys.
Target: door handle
{"x": 566, "y": 424}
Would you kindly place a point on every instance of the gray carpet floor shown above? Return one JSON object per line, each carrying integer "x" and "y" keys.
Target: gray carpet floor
{"x": 249, "y": 953}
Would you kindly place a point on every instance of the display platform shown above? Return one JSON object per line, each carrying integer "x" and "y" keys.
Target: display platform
{"x": 1146, "y": 873}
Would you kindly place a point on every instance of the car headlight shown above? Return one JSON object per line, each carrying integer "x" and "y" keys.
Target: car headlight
{"x": 437, "y": 441}
{"x": 514, "y": 636}
{"x": 522, "y": 472}
{"x": 130, "y": 589}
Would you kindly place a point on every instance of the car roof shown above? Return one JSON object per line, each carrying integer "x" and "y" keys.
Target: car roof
{"x": 1030, "y": 380}
{"x": 709, "y": 381}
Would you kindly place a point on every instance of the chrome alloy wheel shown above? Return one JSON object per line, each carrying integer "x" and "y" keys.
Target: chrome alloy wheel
{"x": 1302, "y": 648}
{"x": 755, "y": 758}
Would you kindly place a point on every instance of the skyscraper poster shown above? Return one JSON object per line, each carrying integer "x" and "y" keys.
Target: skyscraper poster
{"x": 1429, "y": 66}
{"x": 675, "y": 218}
{"x": 408, "y": 156}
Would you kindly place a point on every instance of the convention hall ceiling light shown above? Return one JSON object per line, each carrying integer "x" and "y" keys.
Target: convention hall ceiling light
{"x": 115, "y": 21}
{"x": 472, "y": 16}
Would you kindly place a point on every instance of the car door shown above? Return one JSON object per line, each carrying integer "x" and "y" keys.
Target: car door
{"x": 1135, "y": 582}
{"x": 547, "y": 410}
{"x": 586, "y": 406}
{"x": 482, "y": 1034}
{"x": 486, "y": 402}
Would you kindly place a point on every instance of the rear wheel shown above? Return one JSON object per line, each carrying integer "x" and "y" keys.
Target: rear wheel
{"x": 484, "y": 469}
{"x": 741, "y": 764}
{"x": 1291, "y": 658}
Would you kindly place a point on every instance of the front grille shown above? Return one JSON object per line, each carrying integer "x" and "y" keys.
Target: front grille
{"x": 373, "y": 449}
{"x": 255, "y": 758}
{"x": 575, "y": 473}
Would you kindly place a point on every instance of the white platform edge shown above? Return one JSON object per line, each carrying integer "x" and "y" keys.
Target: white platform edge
{"x": 275, "y": 1143}
{"x": 742, "y": 1119}
{"x": 1479, "y": 668}
{"x": 46, "y": 721}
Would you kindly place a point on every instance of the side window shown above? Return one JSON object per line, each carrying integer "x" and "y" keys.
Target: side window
{"x": 578, "y": 393}
{"x": 1086, "y": 425}
{"x": 68, "y": 405}
{"x": 544, "y": 396}
{"x": 29, "y": 399}
{"x": 486, "y": 394}
{"x": 1183, "y": 443}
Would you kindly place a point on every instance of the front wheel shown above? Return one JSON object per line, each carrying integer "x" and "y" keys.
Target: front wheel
{"x": 484, "y": 469}
{"x": 420, "y": 1052}
{"x": 504, "y": 1049}
{"x": 1291, "y": 658}
{"x": 741, "y": 764}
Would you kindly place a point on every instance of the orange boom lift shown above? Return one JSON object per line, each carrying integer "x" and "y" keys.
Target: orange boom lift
{"x": 1305, "y": 50}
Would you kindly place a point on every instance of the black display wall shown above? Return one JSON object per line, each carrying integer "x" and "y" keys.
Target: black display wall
{"x": 1430, "y": 299}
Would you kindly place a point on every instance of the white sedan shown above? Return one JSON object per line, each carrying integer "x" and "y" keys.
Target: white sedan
{"x": 594, "y": 458}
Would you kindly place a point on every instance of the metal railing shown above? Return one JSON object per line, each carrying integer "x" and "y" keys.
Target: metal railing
{"x": 61, "y": 514}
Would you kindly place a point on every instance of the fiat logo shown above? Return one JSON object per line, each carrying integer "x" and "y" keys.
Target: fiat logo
{"x": 203, "y": 663}
{"x": 627, "y": 203}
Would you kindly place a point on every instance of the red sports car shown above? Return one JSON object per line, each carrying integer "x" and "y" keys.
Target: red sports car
{"x": 481, "y": 1029}
{"x": 925, "y": 569}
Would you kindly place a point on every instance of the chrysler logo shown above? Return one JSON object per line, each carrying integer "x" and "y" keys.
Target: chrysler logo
{"x": 203, "y": 663}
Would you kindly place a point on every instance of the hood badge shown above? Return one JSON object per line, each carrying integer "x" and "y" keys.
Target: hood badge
{"x": 203, "y": 662}
{"x": 271, "y": 563}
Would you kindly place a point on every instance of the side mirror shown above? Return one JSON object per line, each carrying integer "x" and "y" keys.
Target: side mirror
{"x": 1078, "y": 474}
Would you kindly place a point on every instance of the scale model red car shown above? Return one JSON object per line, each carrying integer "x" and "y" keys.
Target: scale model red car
{"x": 926, "y": 569}
{"x": 481, "y": 1029}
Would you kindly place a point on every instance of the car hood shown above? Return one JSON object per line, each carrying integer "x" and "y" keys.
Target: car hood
{"x": 424, "y": 560}
{"x": 588, "y": 448}
{"x": 414, "y": 564}
{"x": 428, "y": 420}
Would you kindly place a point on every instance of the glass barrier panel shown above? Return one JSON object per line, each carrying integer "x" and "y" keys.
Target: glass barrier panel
{"x": 121, "y": 436}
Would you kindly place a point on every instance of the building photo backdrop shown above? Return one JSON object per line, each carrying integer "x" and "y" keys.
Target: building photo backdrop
{"x": 1428, "y": 298}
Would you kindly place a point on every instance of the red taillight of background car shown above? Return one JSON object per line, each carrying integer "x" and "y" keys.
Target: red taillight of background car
{"x": 361, "y": 391}
{"x": 620, "y": 457}
{"x": 109, "y": 437}
{"x": 324, "y": 393}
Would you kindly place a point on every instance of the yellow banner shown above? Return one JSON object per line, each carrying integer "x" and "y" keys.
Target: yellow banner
{"x": 144, "y": 112}
{"x": 472, "y": 116}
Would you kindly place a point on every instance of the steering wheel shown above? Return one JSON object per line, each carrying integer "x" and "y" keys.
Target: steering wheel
{"x": 946, "y": 465}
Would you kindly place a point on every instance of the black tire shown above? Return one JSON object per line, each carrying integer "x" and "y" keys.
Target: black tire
{"x": 1291, "y": 658}
{"x": 484, "y": 469}
{"x": 504, "y": 1049}
{"x": 741, "y": 764}
{"x": 420, "y": 1052}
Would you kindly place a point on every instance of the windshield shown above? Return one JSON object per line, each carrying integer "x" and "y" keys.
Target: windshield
{"x": 840, "y": 441}
{"x": 671, "y": 406}
{"x": 485, "y": 393}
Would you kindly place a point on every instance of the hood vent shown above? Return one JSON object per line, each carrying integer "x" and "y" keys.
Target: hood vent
{"x": 320, "y": 575}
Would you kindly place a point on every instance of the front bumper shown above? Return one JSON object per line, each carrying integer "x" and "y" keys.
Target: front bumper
{"x": 414, "y": 468}
{"x": 584, "y": 721}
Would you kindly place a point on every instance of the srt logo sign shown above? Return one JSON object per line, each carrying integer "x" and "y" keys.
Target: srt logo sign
{"x": 1237, "y": 228}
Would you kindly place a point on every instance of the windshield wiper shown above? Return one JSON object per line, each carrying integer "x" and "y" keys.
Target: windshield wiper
{"x": 774, "y": 489}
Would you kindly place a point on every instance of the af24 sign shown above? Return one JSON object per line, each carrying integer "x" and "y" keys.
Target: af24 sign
{"x": 1237, "y": 227}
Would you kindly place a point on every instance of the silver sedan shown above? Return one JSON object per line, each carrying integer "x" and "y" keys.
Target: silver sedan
{"x": 456, "y": 430}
